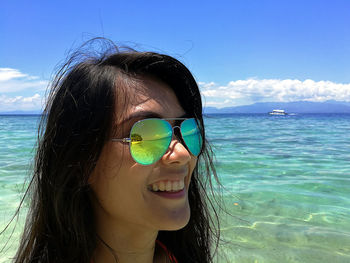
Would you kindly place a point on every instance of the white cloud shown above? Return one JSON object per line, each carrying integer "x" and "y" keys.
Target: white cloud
{"x": 249, "y": 91}
{"x": 20, "y": 103}
{"x": 239, "y": 92}
{"x": 12, "y": 80}
{"x": 9, "y": 73}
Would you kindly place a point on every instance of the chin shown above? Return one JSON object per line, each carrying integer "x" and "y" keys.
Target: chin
{"x": 176, "y": 221}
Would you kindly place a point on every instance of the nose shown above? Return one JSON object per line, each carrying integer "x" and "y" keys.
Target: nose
{"x": 177, "y": 152}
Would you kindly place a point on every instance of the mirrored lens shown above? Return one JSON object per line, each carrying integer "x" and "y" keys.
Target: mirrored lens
{"x": 191, "y": 135}
{"x": 150, "y": 139}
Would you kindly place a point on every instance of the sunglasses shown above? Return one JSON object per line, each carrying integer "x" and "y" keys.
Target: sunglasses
{"x": 150, "y": 138}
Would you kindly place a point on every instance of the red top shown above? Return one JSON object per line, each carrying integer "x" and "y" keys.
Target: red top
{"x": 170, "y": 255}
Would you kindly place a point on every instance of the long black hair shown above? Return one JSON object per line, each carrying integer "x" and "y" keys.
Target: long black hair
{"x": 76, "y": 123}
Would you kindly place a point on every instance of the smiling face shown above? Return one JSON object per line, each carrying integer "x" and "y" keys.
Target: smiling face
{"x": 125, "y": 192}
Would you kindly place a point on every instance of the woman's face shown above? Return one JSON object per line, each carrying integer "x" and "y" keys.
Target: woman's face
{"x": 123, "y": 188}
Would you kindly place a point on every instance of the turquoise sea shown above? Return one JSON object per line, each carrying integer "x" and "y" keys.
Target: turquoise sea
{"x": 286, "y": 179}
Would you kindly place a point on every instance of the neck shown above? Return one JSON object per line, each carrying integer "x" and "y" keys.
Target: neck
{"x": 126, "y": 243}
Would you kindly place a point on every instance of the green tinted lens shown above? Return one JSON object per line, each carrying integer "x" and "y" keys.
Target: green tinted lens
{"x": 150, "y": 139}
{"x": 192, "y": 136}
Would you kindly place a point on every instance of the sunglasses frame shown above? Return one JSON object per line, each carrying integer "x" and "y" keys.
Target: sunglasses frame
{"x": 129, "y": 140}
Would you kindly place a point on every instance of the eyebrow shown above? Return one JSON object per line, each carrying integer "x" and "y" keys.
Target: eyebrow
{"x": 147, "y": 114}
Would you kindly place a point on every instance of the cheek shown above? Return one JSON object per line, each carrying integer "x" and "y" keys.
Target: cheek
{"x": 109, "y": 162}
{"x": 119, "y": 195}
{"x": 119, "y": 185}
{"x": 193, "y": 163}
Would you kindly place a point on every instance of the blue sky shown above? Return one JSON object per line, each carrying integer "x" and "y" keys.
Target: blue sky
{"x": 240, "y": 52}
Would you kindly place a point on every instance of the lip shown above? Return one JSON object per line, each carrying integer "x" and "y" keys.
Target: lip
{"x": 171, "y": 195}
{"x": 179, "y": 176}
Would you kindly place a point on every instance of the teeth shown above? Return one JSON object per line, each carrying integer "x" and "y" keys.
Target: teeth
{"x": 155, "y": 187}
{"x": 161, "y": 186}
{"x": 176, "y": 185}
{"x": 169, "y": 186}
{"x": 181, "y": 185}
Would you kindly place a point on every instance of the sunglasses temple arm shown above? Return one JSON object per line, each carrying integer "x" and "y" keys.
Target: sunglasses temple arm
{"x": 121, "y": 140}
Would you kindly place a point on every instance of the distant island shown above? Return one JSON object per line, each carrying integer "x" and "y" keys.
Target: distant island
{"x": 289, "y": 107}
{"x": 330, "y": 106}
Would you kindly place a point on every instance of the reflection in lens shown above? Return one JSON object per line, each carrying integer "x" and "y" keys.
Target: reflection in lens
{"x": 191, "y": 135}
{"x": 153, "y": 138}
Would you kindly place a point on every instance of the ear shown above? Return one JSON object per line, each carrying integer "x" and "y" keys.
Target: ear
{"x": 92, "y": 178}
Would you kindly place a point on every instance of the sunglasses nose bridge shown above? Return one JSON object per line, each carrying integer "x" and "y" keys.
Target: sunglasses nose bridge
{"x": 178, "y": 135}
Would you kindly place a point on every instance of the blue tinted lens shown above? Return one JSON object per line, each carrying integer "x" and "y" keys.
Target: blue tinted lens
{"x": 192, "y": 136}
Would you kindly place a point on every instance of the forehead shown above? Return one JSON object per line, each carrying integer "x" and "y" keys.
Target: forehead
{"x": 149, "y": 94}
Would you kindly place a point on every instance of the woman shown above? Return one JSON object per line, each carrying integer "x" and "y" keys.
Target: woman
{"x": 122, "y": 166}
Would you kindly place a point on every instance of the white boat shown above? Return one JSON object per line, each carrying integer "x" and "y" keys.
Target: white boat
{"x": 277, "y": 112}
